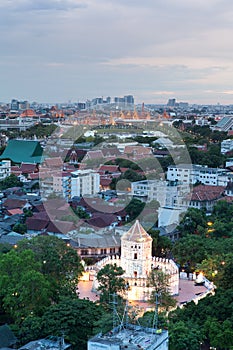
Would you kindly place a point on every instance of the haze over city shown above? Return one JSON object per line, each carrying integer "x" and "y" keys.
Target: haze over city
{"x": 55, "y": 51}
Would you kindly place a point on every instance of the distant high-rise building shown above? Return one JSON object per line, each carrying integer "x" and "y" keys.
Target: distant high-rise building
{"x": 171, "y": 102}
{"x": 14, "y": 105}
{"x": 129, "y": 99}
{"x": 24, "y": 105}
{"x": 81, "y": 105}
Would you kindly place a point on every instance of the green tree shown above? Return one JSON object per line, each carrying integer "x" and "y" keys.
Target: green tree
{"x": 10, "y": 181}
{"x": 75, "y": 318}
{"x": 20, "y": 228}
{"x": 194, "y": 222}
{"x": 134, "y": 208}
{"x": 24, "y": 290}
{"x": 183, "y": 335}
{"x": 212, "y": 316}
{"x": 110, "y": 281}
{"x": 58, "y": 261}
{"x": 159, "y": 281}
{"x": 148, "y": 319}
{"x": 190, "y": 249}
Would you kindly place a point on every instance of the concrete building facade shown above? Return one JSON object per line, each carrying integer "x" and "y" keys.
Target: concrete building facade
{"x": 193, "y": 173}
{"x": 84, "y": 182}
{"x": 5, "y": 169}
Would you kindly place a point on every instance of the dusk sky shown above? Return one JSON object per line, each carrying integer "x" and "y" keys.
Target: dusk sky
{"x": 60, "y": 50}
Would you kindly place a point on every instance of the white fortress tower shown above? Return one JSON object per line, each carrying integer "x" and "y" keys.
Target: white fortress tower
{"x": 136, "y": 247}
{"x": 137, "y": 262}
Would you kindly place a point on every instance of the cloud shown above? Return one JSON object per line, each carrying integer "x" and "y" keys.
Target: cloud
{"x": 115, "y": 47}
{"x": 43, "y": 5}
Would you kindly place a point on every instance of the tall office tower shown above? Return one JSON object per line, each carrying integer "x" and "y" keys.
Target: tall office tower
{"x": 14, "y": 105}
{"x": 171, "y": 102}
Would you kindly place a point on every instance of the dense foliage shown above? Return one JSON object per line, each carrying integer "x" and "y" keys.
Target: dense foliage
{"x": 110, "y": 281}
{"x": 10, "y": 181}
{"x": 38, "y": 292}
{"x": 206, "y": 245}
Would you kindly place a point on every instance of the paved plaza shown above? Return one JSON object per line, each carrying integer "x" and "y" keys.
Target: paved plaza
{"x": 187, "y": 291}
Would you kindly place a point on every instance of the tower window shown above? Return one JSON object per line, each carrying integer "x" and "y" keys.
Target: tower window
{"x": 135, "y": 256}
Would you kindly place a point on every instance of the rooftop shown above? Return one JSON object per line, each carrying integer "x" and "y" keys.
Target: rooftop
{"x": 136, "y": 234}
{"x": 23, "y": 151}
{"x": 131, "y": 337}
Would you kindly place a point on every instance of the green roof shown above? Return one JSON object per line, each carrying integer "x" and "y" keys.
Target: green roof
{"x": 19, "y": 151}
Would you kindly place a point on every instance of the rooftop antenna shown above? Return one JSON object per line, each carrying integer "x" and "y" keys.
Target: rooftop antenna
{"x": 156, "y": 313}
{"x": 115, "y": 316}
{"x": 126, "y": 309}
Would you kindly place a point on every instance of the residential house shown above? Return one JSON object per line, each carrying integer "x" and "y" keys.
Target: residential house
{"x": 137, "y": 152}
{"x": 204, "y": 196}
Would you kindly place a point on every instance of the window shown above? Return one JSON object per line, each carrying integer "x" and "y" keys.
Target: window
{"x": 135, "y": 256}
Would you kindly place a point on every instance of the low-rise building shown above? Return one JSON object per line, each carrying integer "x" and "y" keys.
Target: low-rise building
{"x": 80, "y": 183}
{"x": 5, "y": 169}
{"x": 193, "y": 173}
{"x": 205, "y": 197}
{"x": 131, "y": 337}
{"x": 226, "y": 146}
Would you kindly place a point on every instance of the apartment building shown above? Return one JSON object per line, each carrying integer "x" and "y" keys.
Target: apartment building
{"x": 226, "y": 146}
{"x": 5, "y": 169}
{"x": 80, "y": 183}
{"x": 193, "y": 173}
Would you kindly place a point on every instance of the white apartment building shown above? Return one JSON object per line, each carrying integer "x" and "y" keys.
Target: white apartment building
{"x": 150, "y": 190}
{"x": 226, "y": 146}
{"x": 193, "y": 173}
{"x": 80, "y": 183}
{"x": 161, "y": 191}
{"x": 5, "y": 169}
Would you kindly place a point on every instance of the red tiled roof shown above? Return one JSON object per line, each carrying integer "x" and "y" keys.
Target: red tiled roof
{"x": 109, "y": 168}
{"x": 15, "y": 211}
{"x": 111, "y": 152}
{"x": 15, "y": 168}
{"x": 28, "y": 113}
{"x": 228, "y": 199}
{"x": 102, "y": 219}
{"x": 14, "y": 203}
{"x": 94, "y": 155}
{"x": 27, "y": 168}
{"x": 33, "y": 176}
{"x": 36, "y": 224}
{"x": 54, "y": 162}
{"x": 60, "y": 226}
{"x": 137, "y": 150}
{"x": 105, "y": 182}
{"x": 207, "y": 193}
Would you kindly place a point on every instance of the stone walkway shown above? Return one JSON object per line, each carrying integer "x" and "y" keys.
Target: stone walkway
{"x": 187, "y": 291}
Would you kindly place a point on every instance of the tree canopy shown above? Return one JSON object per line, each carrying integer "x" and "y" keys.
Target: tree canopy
{"x": 110, "y": 281}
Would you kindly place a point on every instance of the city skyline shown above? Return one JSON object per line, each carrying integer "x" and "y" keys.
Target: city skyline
{"x": 65, "y": 50}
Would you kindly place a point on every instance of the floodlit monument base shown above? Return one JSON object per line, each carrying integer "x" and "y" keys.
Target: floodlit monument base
{"x": 137, "y": 262}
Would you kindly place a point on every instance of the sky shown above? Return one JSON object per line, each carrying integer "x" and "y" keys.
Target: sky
{"x": 73, "y": 50}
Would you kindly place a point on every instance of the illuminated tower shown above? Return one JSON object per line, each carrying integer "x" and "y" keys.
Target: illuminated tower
{"x": 136, "y": 249}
